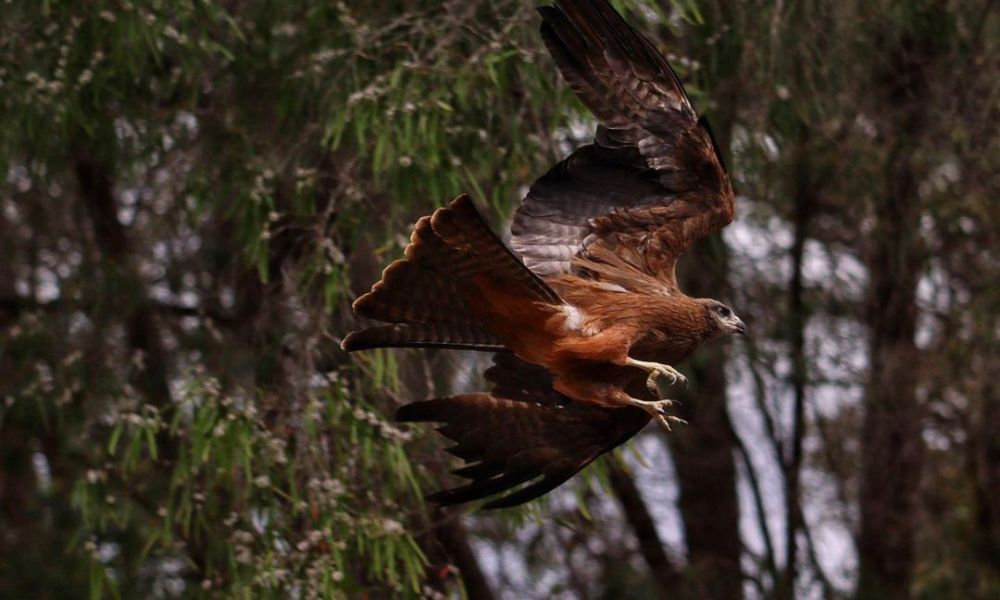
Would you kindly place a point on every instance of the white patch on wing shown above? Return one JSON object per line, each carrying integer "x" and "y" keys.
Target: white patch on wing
{"x": 576, "y": 320}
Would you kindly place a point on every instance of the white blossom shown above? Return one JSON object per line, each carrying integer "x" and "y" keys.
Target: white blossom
{"x": 392, "y": 527}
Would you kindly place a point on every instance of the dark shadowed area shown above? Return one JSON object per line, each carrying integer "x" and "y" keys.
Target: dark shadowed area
{"x": 194, "y": 193}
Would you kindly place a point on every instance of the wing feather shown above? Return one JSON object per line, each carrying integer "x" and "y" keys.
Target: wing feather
{"x": 523, "y": 432}
{"x": 652, "y": 180}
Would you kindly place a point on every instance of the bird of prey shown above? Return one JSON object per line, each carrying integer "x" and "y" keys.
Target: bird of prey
{"x": 583, "y": 310}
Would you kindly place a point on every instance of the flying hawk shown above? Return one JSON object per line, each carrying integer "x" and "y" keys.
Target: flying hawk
{"x": 583, "y": 310}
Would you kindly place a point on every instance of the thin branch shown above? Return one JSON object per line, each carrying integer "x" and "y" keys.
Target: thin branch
{"x": 760, "y": 393}
{"x": 829, "y": 590}
{"x": 759, "y": 510}
{"x": 799, "y": 376}
{"x": 452, "y": 536}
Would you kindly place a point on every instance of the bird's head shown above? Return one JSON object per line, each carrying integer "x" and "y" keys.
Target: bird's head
{"x": 724, "y": 319}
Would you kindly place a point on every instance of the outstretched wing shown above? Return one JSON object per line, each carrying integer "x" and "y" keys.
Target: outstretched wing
{"x": 650, "y": 185}
{"x": 523, "y": 432}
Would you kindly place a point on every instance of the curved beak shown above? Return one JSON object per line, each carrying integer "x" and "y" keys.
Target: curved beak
{"x": 741, "y": 327}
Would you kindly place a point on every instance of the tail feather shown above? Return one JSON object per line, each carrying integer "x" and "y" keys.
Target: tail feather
{"x": 414, "y": 292}
{"x": 421, "y": 335}
{"x": 462, "y": 227}
{"x": 430, "y": 294}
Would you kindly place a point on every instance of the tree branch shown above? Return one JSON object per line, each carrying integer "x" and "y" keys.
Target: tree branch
{"x": 643, "y": 526}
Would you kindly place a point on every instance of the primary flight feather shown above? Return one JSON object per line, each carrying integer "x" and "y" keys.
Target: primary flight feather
{"x": 583, "y": 311}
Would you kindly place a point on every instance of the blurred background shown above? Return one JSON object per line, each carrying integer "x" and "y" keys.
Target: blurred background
{"x": 195, "y": 191}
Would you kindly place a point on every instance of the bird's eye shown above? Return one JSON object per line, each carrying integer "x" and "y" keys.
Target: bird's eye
{"x": 724, "y": 311}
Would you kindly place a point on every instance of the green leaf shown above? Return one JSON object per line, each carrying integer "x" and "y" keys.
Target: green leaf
{"x": 151, "y": 442}
{"x": 116, "y": 435}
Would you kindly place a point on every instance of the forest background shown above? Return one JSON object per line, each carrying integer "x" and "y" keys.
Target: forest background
{"x": 195, "y": 191}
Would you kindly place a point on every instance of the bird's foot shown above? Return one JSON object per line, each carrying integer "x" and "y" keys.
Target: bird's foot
{"x": 655, "y": 371}
{"x": 658, "y": 410}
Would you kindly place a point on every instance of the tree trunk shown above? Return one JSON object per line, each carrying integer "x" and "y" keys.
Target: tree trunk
{"x": 892, "y": 442}
{"x": 140, "y": 320}
{"x": 804, "y": 189}
{"x": 985, "y": 449}
{"x": 704, "y": 452}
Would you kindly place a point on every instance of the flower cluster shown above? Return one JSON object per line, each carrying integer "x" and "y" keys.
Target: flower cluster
{"x": 386, "y": 429}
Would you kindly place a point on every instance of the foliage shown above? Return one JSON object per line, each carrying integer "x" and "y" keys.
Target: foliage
{"x": 256, "y": 135}
{"x": 196, "y": 190}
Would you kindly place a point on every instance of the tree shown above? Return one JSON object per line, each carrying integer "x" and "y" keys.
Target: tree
{"x": 195, "y": 192}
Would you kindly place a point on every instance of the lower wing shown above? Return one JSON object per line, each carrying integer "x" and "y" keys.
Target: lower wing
{"x": 523, "y": 433}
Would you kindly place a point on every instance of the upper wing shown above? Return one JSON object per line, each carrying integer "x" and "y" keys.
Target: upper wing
{"x": 523, "y": 432}
{"x": 651, "y": 184}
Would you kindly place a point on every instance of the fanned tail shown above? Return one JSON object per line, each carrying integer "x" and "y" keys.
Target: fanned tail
{"x": 430, "y": 294}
